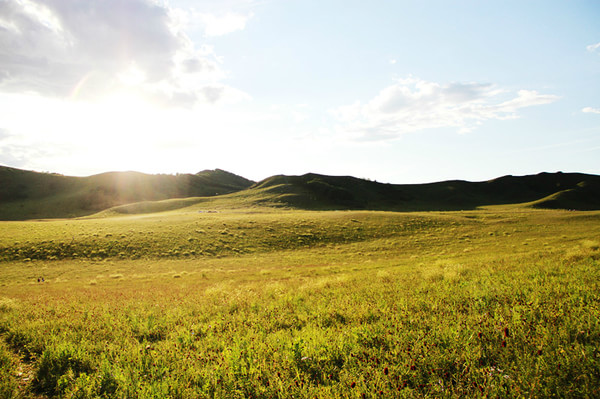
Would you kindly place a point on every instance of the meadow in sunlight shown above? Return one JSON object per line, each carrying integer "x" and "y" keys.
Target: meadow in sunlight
{"x": 419, "y": 214}
{"x": 501, "y": 302}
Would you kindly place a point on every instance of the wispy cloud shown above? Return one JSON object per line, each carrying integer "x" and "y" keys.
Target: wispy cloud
{"x": 4, "y": 133}
{"x": 221, "y": 25}
{"x": 85, "y": 49}
{"x": 590, "y": 110}
{"x": 594, "y": 47}
{"x": 212, "y": 22}
{"x": 414, "y": 104}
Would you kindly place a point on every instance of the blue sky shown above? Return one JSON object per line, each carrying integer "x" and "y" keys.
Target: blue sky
{"x": 400, "y": 92}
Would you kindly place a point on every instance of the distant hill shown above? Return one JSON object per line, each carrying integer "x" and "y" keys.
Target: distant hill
{"x": 545, "y": 190}
{"x": 584, "y": 196}
{"x": 26, "y": 194}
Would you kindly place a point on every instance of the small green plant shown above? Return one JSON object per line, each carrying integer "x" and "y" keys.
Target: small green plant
{"x": 8, "y": 365}
{"x": 58, "y": 369}
{"x": 325, "y": 304}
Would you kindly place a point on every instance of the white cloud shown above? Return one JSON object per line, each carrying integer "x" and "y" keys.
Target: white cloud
{"x": 90, "y": 48}
{"x": 414, "y": 104}
{"x": 4, "y": 133}
{"x": 590, "y": 110}
{"x": 210, "y": 23}
{"x": 221, "y": 25}
{"x": 593, "y": 47}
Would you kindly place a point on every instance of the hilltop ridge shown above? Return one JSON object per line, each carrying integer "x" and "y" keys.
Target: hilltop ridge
{"x": 545, "y": 190}
{"x": 27, "y": 194}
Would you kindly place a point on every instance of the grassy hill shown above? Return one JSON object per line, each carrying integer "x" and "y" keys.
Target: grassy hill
{"x": 545, "y": 190}
{"x": 584, "y": 196}
{"x": 27, "y": 195}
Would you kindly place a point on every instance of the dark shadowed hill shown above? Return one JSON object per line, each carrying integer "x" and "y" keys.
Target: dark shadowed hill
{"x": 25, "y": 194}
{"x": 545, "y": 190}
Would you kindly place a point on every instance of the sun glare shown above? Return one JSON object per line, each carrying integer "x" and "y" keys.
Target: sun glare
{"x": 128, "y": 123}
{"x": 119, "y": 131}
{"x": 123, "y": 103}
{"x": 133, "y": 76}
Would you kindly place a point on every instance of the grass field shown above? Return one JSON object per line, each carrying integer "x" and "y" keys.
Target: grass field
{"x": 266, "y": 303}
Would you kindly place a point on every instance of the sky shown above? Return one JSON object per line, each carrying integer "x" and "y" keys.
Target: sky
{"x": 393, "y": 91}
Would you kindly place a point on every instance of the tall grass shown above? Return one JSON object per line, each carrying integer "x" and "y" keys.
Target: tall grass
{"x": 334, "y": 304}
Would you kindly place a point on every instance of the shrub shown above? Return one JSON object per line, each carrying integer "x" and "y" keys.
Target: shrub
{"x": 8, "y": 385}
{"x": 58, "y": 368}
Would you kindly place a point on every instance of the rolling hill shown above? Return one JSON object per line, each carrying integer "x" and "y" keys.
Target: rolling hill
{"x": 27, "y": 195}
{"x": 545, "y": 190}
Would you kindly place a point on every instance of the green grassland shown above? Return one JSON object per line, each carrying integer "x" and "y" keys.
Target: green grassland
{"x": 225, "y": 298}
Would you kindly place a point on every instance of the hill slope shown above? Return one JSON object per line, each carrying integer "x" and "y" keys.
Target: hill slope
{"x": 545, "y": 190}
{"x": 26, "y": 194}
